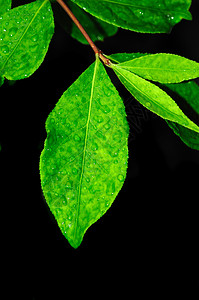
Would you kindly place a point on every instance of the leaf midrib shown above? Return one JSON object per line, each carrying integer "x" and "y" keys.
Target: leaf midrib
{"x": 85, "y": 147}
{"x": 142, "y": 7}
{"x": 163, "y": 108}
{"x": 158, "y": 69}
{"x": 25, "y": 31}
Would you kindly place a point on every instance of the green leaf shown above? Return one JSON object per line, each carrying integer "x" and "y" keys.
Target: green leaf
{"x": 25, "y": 34}
{"x": 189, "y": 137}
{"x": 84, "y": 161}
{"x": 163, "y": 67}
{"x": 153, "y": 98}
{"x": 5, "y": 6}
{"x": 1, "y": 81}
{"x": 141, "y": 16}
{"x": 96, "y": 28}
{"x": 189, "y": 95}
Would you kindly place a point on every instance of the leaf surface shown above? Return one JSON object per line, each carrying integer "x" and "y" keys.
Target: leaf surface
{"x": 189, "y": 91}
{"x": 5, "y": 6}
{"x": 187, "y": 97}
{"x": 84, "y": 162}
{"x": 163, "y": 67}
{"x": 153, "y": 98}
{"x": 25, "y": 34}
{"x": 141, "y": 16}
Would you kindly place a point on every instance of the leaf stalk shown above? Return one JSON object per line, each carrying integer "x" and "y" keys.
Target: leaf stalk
{"x": 97, "y": 51}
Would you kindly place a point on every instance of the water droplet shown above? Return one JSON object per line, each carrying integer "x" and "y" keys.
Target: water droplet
{"x": 120, "y": 177}
{"x": 35, "y": 38}
{"x": 114, "y": 154}
{"x": 74, "y": 171}
{"x": 105, "y": 109}
{"x": 148, "y": 104}
{"x": 94, "y": 147}
{"x": 99, "y": 119}
{"x": 107, "y": 126}
{"x": 110, "y": 188}
{"x": 4, "y": 49}
{"x": 13, "y": 31}
{"x": 69, "y": 185}
{"x": 77, "y": 138}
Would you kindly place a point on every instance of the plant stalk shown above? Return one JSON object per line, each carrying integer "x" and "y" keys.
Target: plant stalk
{"x": 98, "y": 52}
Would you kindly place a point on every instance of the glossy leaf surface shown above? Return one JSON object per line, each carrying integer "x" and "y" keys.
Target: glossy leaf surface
{"x": 84, "y": 162}
{"x": 141, "y": 16}
{"x": 5, "y": 6}
{"x": 187, "y": 96}
{"x": 153, "y": 98}
{"x": 25, "y": 34}
{"x": 163, "y": 67}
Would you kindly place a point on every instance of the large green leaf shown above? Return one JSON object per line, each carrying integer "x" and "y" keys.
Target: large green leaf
{"x": 141, "y": 16}
{"x": 25, "y": 34}
{"x": 154, "y": 98}
{"x": 163, "y": 67}
{"x": 84, "y": 161}
{"x": 5, "y": 6}
{"x": 96, "y": 28}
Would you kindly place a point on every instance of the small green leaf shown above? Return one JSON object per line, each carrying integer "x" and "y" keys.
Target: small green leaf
{"x": 5, "y": 6}
{"x": 153, "y": 98}
{"x": 189, "y": 93}
{"x": 163, "y": 67}
{"x": 141, "y": 16}
{"x": 189, "y": 137}
{"x": 84, "y": 162}
{"x": 96, "y": 28}
{"x": 25, "y": 34}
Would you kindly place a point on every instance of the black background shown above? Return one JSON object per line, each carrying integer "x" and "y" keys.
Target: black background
{"x": 147, "y": 243}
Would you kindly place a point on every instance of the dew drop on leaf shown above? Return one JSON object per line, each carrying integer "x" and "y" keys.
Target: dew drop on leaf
{"x": 13, "y": 31}
{"x": 74, "y": 171}
{"x": 94, "y": 146}
{"x": 69, "y": 185}
{"x": 4, "y": 49}
{"x": 120, "y": 177}
{"x": 77, "y": 138}
{"x": 110, "y": 188}
{"x": 35, "y": 38}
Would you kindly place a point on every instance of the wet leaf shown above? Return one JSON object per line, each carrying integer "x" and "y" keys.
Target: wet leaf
{"x": 163, "y": 67}
{"x": 5, "y": 6}
{"x": 186, "y": 94}
{"x": 141, "y": 16}
{"x": 25, "y": 34}
{"x": 84, "y": 162}
{"x": 154, "y": 98}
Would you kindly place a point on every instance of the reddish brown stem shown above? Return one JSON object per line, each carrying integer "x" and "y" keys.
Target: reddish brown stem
{"x": 98, "y": 52}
